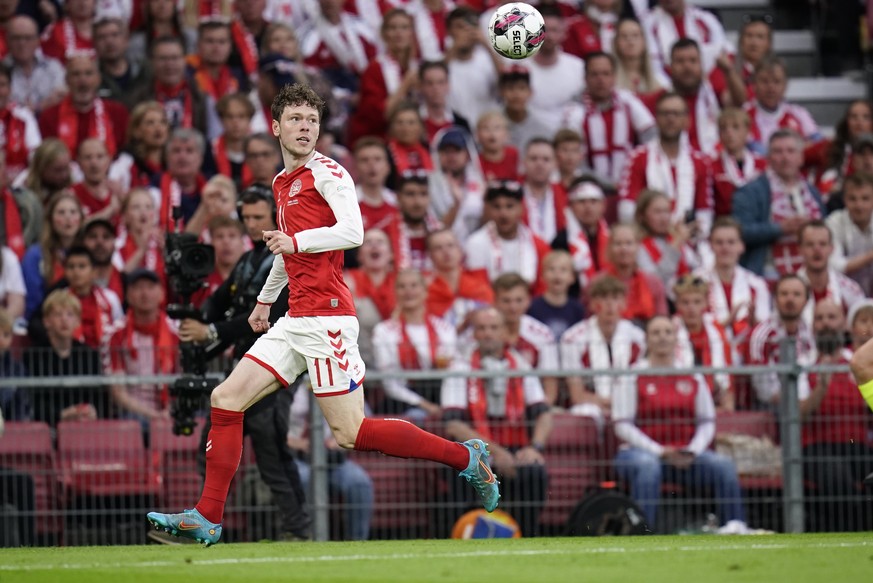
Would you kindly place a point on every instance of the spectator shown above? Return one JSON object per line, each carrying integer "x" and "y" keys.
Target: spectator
{"x": 218, "y": 200}
{"x": 337, "y": 43}
{"x": 545, "y": 202}
{"x": 378, "y": 203}
{"x": 12, "y": 227}
{"x": 674, "y": 20}
{"x": 99, "y": 196}
{"x": 429, "y": 17}
{"x": 701, "y": 340}
{"x": 141, "y": 161}
{"x": 14, "y": 401}
{"x": 570, "y": 155}
{"x": 140, "y": 242}
{"x": 413, "y": 221}
{"x": 738, "y": 298}
{"x": 586, "y": 235}
{"x": 831, "y": 161}
{"x": 161, "y": 19}
{"x": 669, "y": 164}
{"x": 120, "y": 75}
{"x": 861, "y": 162}
{"x": 634, "y": 68}
{"x": 228, "y": 236}
{"x": 509, "y": 413}
{"x": 145, "y": 344}
{"x": 666, "y": 425}
{"x": 413, "y": 340}
{"x": 248, "y": 32}
{"x": 262, "y": 157}
{"x": 372, "y": 287}
{"x": 49, "y": 173}
{"x": 852, "y": 230}
{"x": 556, "y": 78}
{"x": 755, "y": 44}
{"x": 405, "y": 141}
{"x": 388, "y": 79}
{"x": 504, "y": 244}
{"x": 19, "y": 127}
{"x": 594, "y": 29}
{"x": 182, "y": 183}
{"x": 816, "y": 248}
{"x": 525, "y": 121}
{"x": 457, "y": 183}
{"x": 98, "y": 236}
{"x": 666, "y": 249}
{"x": 555, "y": 307}
{"x": 72, "y": 34}
{"x": 770, "y": 112}
{"x": 62, "y": 356}
{"x": 42, "y": 265}
{"x": 12, "y": 289}
{"x": 774, "y": 206}
{"x": 37, "y": 80}
{"x": 433, "y": 87}
{"x": 454, "y": 292}
{"x": 235, "y": 111}
{"x": 208, "y": 66}
{"x": 184, "y": 104}
{"x": 786, "y": 325}
{"x": 606, "y": 340}
{"x": 278, "y": 38}
{"x": 645, "y": 292}
{"x": 612, "y": 121}
{"x": 345, "y": 477}
{"x": 837, "y": 450}
{"x": 474, "y": 67}
{"x": 734, "y": 164}
{"x": 82, "y": 114}
{"x": 525, "y": 334}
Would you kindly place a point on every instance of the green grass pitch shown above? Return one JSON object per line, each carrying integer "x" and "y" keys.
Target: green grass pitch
{"x": 702, "y": 559}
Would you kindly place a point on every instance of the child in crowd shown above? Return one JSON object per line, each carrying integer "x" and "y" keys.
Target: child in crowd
{"x": 555, "y": 308}
{"x": 734, "y": 165}
{"x": 665, "y": 249}
{"x": 499, "y": 160}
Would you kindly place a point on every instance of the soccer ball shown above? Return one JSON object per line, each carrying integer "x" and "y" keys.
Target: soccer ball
{"x": 517, "y": 30}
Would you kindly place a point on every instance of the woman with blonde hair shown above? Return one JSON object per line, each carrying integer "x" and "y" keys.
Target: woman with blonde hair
{"x": 635, "y": 70}
{"x": 43, "y": 262}
{"x": 140, "y": 241}
{"x": 142, "y": 159}
{"x": 50, "y": 170}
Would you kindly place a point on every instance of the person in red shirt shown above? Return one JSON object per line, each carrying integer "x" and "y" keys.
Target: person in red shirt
{"x": 98, "y": 236}
{"x": 19, "y": 128}
{"x": 755, "y": 43}
{"x": 454, "y": 292}
{"x": 586, "y": 235}
{"x": 378, "y": 203}
{"x": 182, "y": 183}
{"x": 545, "y": 201}
{"x": 837, "y": 449}
{"x": 235, "y": 111}
{"x": 646, "y": 295}
{"x": 82, "y": 114}
{"x": 594, "y": 29}
{"x": 411, "y": 224}
{"x": 100, "y": 197}
{"x": 140, "y": 240}
{"x": 74, "y": 33}
{"x": 406, "y": 148}
{"x": 498, "y": 159}
{"x": 666, "y": 425}
{"x": 208, "y": 66}
{"x": 734, "y": 164}
{"x": 433, "y": 87}
{"x": 318, "y": 217}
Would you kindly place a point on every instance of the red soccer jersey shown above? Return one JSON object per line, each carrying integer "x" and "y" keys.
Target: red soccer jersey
{"x": 666, "y": 409}
{"x": 504, "y": 169}
{"x": 307, "y": 200}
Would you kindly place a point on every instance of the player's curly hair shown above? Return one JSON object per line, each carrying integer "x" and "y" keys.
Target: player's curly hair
{"x": 296, "y": 94}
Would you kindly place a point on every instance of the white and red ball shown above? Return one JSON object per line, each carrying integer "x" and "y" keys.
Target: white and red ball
{"x": 517, "y": 30}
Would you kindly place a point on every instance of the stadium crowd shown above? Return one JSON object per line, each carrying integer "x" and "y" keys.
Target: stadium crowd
{"x": 639, "y": 182}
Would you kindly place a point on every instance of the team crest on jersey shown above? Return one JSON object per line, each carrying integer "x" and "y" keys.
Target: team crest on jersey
{"x": 684, "y": 387}
{"x": 295, "y": 187}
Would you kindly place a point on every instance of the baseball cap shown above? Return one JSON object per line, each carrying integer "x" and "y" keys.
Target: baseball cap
{"x": 586, "y": 191}
{"x": 142, "y": 273}
{"x": 454, "y": 137}
{"x": 863, "y": 141}
{"x": 105, "y": 223}
{"x": 857, "y": 307}
{"x": 280, "y": 68}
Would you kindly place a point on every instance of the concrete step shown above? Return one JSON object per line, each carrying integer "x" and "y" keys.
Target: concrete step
{"x": 732, "y": 12}
{"x": 796, "y": 47}
{"x": 825, "y": 98}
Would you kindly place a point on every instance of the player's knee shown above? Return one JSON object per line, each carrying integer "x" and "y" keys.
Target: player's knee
{"x": 223, "y": 398}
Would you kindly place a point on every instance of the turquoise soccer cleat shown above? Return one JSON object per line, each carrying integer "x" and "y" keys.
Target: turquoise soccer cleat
{"x": 479, "y": 474}
{"x": 188, "y": 524}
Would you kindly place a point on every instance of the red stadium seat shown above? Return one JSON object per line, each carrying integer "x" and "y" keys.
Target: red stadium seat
{"x": 755, "y": 424}
{"x": 27, "y": 448}
{"x": 176, "y": 458}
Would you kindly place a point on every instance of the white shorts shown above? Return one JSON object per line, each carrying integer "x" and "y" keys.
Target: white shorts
{"x": 326, "y": 346}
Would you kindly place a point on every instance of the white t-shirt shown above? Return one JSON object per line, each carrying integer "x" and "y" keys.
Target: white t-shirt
{"x": 11, "y": 278}
{"x": 555, "y": 87}
{"x": 473, "y": 86}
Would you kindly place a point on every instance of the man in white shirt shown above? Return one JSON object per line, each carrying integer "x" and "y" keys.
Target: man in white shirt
{"x": 545, "y": 201}
{"x": 672, "y": 20}
{"x": 852, "y": 228}
{"x": 472, "y": 66}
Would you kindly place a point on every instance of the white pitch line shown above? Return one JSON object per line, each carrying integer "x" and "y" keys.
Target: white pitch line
{"x": 413, "y": 556}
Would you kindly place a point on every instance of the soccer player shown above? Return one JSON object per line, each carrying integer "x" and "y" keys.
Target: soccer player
{"x": 318, "y": 217}
{"x": 862, "y": 370}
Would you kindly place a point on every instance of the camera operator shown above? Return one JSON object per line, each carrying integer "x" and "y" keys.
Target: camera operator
{"x": 226, "y": 315}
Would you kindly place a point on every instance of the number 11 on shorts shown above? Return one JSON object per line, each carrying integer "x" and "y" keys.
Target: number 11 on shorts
{"x": 329, "y": 372}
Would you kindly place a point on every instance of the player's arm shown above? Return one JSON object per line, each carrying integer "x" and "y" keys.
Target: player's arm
{"x": 338, "y": 189}
{"x": 277, "y": 280}
{"x": 862, "y": 369}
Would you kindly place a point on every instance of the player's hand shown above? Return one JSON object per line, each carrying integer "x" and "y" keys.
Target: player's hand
{"x": 259, "y": 319}
{"x": 528, "y": 456}
{"x": 278, "y": 242}
{"x": 193, "y": 331}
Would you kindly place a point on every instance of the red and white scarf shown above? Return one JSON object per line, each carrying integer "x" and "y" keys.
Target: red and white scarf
{"x": 528, "y": 261}
{"x": 580, "y": 248}
{"x": 12, "y": 222}
{"x": 706, "y": 112}
{"x": 12, "y": 130}
{"x": 171, "y": 197}
{"x": 736, "y": 176}
{"x": 714, "y": 350}
{"x": 225, "y": 83}
{"x": 659, "y": 176}
{"x": 223, "y": 165}
{"x": 654, "y": 246}
{"x": 510, "y": 429}
{"x": 663, "y": 25}
{"x": 343, "y": 42}
{"x": 403, "y": 254}
{"x": 407, "y": 353}
{"x": 783, "y": 204}
{"x": 743, "y": 298}
{"x": 427, "y": 33}
{"x": 392, "y": 74}
{"x": 542, "y": 214}
{"x": 605, "y": 21}
{"x": 783, "y": 117}
{"x": 609, "y": 134}
{"x": 100, "y": 126}
{"x": 617, "y": 354}
{"x": 245, "y": 45}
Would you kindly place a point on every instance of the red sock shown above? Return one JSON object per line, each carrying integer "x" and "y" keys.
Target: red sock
{"x": 223, "y": 453}
{"x": 400, "y": 438}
